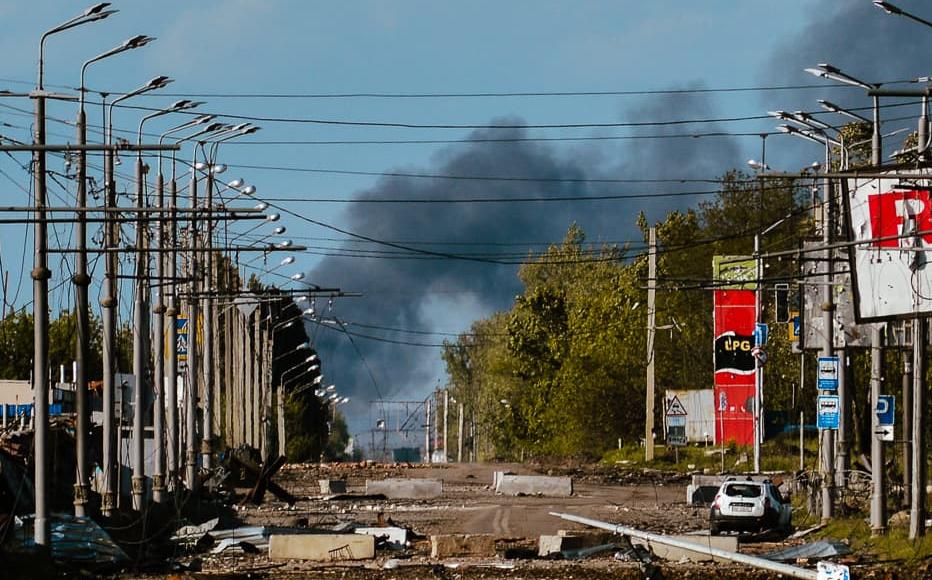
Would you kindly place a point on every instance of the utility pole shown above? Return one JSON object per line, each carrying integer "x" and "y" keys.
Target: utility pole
{"x": 446, "y": 422}
{"x": 906, "y": 428}
{"x": 190, "y": 387}
{"x": 758, "y": 367}
{"x": 108, "y": 304}
{"x": 827, "y": 436}
{"x": 207, "y": 432}
{"x": 459, "y": 438}
{"x": 878, "y": 515}
{"x": 427, "y": 433}
{"x": 140, "y": 342}
{"x": 81, "y": 281}
{"x": 158, "y": 474}
{"x": 40, "y": 297}
{"x": 917, "y": 506}
{"x": 651, "y": 334}
{"x": 171, "y": 312}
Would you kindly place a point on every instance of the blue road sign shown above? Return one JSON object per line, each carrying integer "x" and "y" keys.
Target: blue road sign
{"x": 886, "y": 407}
{"x": 760, "y": 334}
{"x": 828, "y": 373}
{"x": 827, "y": 412}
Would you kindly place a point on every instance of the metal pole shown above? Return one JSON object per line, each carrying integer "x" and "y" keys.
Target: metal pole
{"x": 140, "y": 346}
{"x": 427, "y": 434}
{"x": 459, "y": 438}
{"x": 844, "y": 399}
{"x": 446, "y": 423}
{"x": 827, "y": 436}
{"x": 190, "y": 388}
{"x": 40, "y": 368}
{"x": 171, "y": 387}
{"x": 786, "y": 569}
{"x": 917, "y": 507}
{"x": 907, "y": 429}
{"x": 158, "y": 474}
{"x": 108, "y": 320}
{"x": 878, "y": 492}
{"x": 82, "y": 322}
{"x": 208, "y": 314}
{"x": 651, "y": 334}
{"x": 758, "y": 369}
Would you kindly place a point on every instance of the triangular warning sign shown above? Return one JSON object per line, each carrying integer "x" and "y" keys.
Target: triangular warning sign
{"x": 675, "y": 408}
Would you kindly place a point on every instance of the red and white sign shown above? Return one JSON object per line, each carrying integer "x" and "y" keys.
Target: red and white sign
{"x": 735, "y": 313}
{"x": 892, "y": 276}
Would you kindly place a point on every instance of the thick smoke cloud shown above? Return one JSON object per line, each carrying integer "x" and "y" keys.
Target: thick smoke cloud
{"x": 433, "y": 293}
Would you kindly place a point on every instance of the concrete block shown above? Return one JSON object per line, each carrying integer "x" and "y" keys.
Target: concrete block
{"x": 321, "y": 547}
{"x": 401, "y": 488}
{"x": 728, "y": 543}
{"x": 573, "y": 540}
{"x": 395, "y": 537}
{"x": 459, "y": 546}
{"x": 497, "y": 476}
{"x": 534, "y": 485}
{"x": 332, "y": 486}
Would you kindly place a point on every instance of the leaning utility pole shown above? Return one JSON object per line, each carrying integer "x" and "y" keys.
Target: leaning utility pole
{"x": 651, "y": 334}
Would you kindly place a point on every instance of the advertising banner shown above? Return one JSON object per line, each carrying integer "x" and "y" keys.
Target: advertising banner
{"x": 735, "y": 313}
{"x": 893, "y": 220}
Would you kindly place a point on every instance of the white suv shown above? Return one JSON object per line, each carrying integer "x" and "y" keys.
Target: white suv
{"x": 749, "y": 506}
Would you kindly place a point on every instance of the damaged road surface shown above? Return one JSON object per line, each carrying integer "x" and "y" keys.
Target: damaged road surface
{"x": 458, "y": 521}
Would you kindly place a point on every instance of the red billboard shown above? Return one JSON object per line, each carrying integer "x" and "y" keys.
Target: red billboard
{"x": 735, "y": 314}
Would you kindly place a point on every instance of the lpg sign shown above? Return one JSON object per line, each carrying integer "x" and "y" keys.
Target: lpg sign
{"x": 891, "y": 224}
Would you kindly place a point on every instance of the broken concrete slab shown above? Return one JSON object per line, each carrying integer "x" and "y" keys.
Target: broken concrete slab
{"x": 395, "y": 537}
{"x": 534, "y": 485}
{"x": 401, "y": 488}
{"x": 566, "y": 541}
{"x": 462, "y": 545}
{"x": 332, "y": 486}
{"x": 321, "y": 547}
{"x": 727, "y": 543}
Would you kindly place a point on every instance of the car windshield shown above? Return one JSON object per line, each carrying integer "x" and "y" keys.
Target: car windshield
{"x": 743, "y": 490}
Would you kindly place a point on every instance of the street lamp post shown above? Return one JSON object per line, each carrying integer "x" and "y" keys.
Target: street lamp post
{"x": 81, "y": 281}
{"x": 109, "y": 303}
{"x": 40, "y": 276}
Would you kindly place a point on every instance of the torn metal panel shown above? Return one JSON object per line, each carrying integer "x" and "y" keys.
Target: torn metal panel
{"x": 820, "y": 549}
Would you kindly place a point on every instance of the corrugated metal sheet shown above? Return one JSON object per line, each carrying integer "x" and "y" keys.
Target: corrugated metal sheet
{"x": 700, "y": 413}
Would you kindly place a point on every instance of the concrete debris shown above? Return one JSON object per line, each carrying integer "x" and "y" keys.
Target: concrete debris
{"x": 332, "y": 486}
{"x": 820, "y": 549}
{"x": 401, "y": 488}
{"x": 321, "y": 547}
{"x": 391, "y": 537}
{"x": 542, "y": 485}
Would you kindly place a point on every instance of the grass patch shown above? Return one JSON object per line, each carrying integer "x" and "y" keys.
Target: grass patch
{"x": 894, "y": 546}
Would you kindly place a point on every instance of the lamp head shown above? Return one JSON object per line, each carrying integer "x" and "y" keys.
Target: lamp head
{"x": 261, "y": 206}
{"x": 249, "y": 190}
{"x": 137, "y": 42}
{"x": 236, "y": 183}
{"x": 204, "y": 119}
{"x": 96, "y": 9}
{"x": 279, "y": 230}
{"x": 285, "y": 244}
{"x": 219, "y": 168}
{"x": 158, "y": 83}
{"x": 297, "y": 276}
{"x": 273, "y": 217}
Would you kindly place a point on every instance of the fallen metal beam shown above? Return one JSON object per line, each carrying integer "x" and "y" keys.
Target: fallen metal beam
{"x": 791, "y": 571}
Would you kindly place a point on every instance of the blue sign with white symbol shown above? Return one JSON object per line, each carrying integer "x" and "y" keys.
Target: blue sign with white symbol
{"x": 828, "y": 373}
{"x": 886, "y": 408}
{"x": 760, "y": 334}
{"x": 827, "y": 412}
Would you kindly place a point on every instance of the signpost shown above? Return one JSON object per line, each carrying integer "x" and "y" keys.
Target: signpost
{"x": 676, "y": 425}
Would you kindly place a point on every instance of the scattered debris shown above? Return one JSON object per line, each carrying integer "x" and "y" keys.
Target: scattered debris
{"x": 264, "y": 481}
{"x": 820, "y": 549}
{"x": 73, "y": 540}
{"x": 321, "y": 547}
{"x": 461, "y": 545}
{"x": 803, "y": 533}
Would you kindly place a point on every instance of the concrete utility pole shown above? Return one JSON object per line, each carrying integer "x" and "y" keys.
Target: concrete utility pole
{"x": 459, "y": 436}
{"x": 108, "y": 303}
{"x": 191, "y": 387}
{"x": 827, "y": 437}
{"x": 81, "y": 281}
{"x": 446, "y": 423}
{"x": 140, "y": 342}
{"x": 878, "y": 515}
{"x": 158, "y": 473}
{"x": 917, "y": 506}
{"x": 427, "y": 433}
{"x": 651, "y": 334}
{"x": 207, "y": 431}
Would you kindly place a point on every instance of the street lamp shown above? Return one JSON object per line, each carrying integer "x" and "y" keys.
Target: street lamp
{"x": 82, "y": 281}
{"x": 897, "y": 11}
{"x": 40, "y": 276}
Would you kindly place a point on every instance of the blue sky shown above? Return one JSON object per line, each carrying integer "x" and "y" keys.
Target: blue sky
{"x": 311, "y": 47}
